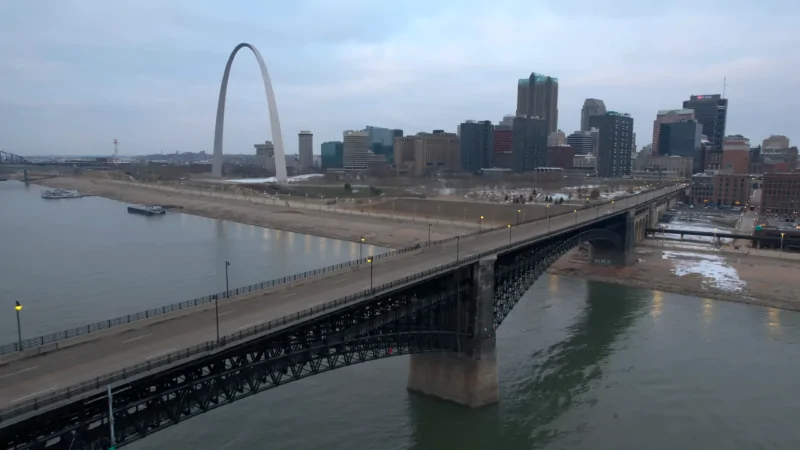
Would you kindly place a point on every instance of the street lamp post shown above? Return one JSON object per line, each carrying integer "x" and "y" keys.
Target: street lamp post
{"x": 361, "y": 250}
{"x": 781, "y": 255}
{"x": 518, "y": 211}
{"x": 612, "y": 205}
{"x": 458, "y": 242}
{"x": 576, "y": 216}
{"x": 369, "y": 260}
{"x": 216, "y": 298}
{"x": 18, "y": 307}
{"x": 429, "y": 235}
{"x": 480, "y": 225}
{"x": 547, "y": 210}
{"x": 509, "y": 233}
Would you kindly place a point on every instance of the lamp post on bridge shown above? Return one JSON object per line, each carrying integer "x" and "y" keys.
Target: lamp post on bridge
{"x": 509, "y": 233}
{"x": 612, "y": 206}
{"x": 18, "y": 307}
{"x": 576, "y": 216}
{"x": 369, "y": 260}
{"x": 216, "y": 298}
{"x": 429, "y": 235}
{"x": 458, "y": 241}
{"x": 518, "y": 211}
{"x": 547, "y": 210}
{"x": 781, "y": 253}
{"x": 480, "y": 225}
{"x": 361, "y": 250}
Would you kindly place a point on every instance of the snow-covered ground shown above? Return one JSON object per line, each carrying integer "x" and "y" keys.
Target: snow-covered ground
{"x": 714, "y": 269}
{"x": 275, "y": 180}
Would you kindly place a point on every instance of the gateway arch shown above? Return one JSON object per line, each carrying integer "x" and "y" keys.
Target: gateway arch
{"x": 274, "y": 122}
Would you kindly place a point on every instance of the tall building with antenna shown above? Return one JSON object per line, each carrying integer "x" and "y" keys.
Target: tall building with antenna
{"x": 712, "y": 113}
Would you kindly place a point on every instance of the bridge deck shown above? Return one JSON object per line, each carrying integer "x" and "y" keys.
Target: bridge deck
{"x": 26, "y": 378}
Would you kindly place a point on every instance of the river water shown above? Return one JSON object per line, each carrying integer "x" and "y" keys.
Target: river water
{"x": 76, "y": 261}
{"x": 582, "y": 365}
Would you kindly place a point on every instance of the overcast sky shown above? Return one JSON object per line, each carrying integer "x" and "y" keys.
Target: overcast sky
{"x": 76, "y": 74}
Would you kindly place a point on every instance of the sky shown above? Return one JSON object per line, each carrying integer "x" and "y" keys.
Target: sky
{"x": 77, "y": 74}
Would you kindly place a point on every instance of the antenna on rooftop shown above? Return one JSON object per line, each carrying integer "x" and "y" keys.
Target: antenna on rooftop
{"x": 724, "y": 85}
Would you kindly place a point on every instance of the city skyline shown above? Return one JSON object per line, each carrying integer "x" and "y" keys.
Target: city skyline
{"x": 76, "y": 78}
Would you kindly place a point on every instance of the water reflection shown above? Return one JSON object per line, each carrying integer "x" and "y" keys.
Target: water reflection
{"x": 708, "y": 310}
{"x": 658, "y": 304}
{"x": 774, "y": 320}
{"x": 559, "y": 378}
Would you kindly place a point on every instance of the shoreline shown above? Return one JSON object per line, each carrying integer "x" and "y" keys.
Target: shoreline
{"x": 658, "y": 274}
{"x": 285, "y": 216}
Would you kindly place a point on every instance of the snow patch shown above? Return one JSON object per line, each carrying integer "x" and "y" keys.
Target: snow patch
{"x": 275, "y": 180}
{"x": 714, "y": 269}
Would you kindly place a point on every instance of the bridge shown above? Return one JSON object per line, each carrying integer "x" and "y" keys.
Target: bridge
{"x": 442, "y": 305}
{"x": 10, "y": 158}
{"x": 719, "y": 235}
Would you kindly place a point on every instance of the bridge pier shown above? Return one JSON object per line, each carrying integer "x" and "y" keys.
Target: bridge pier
{"x": 605, "y": 254}
{"x": 468, "y": 377}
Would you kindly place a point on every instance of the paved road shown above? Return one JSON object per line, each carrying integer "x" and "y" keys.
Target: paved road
{"x": 27, "y": 378}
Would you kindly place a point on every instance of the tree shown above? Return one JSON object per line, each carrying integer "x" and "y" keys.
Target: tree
{"x": 595, "y": 194}
{"x": 348, "y": 188}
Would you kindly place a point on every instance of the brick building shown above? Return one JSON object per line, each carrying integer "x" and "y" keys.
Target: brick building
{"x": 560, "y": 156}
{"x": 736, "y": 155}
{"x": 731, "y": 189}
{"x": 702, "y": 189}
{"x": 780, "y": 194}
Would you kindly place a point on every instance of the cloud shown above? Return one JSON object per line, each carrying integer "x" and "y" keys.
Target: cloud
{"x": 79, "y": 73}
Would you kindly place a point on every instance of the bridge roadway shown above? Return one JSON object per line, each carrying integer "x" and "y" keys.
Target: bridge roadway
{"x": 27, "y": 378}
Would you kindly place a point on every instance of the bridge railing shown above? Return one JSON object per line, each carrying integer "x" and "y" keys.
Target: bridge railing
{"x": 50, "y": 338}
{"x": 58, "y": 336}
{"x": 209, "y": 346}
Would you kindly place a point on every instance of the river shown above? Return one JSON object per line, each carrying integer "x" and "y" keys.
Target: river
{"x": 76, "y": 261}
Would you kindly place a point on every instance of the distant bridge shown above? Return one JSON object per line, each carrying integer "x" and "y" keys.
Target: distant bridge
{"x": 762, "y": 240}
{"x": 10, "y": 158}
{"x": 771, "y": 239}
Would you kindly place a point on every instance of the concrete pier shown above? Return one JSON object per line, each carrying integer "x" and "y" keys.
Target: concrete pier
{"x": 468, "y": 378}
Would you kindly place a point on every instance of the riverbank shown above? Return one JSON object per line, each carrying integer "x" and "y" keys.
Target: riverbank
{"x": 749, "y": 279}
{"x": 382, "y": 231}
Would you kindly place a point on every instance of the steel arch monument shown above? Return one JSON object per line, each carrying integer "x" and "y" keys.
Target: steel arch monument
{"x": 274, "y": 121}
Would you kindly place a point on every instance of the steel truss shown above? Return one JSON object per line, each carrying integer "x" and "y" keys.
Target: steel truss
{"x": 515, "y": 272}
{"x": 10, "y": 158}
{"x": 432, "y": 316}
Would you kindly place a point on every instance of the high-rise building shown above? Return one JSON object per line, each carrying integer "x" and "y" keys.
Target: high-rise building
{"x": 736, "y": 155}
{"x": 306, "y": 150}
{"x": 666, "y": 116}
{"x": 381, "y": 141}
{"x": 355, "y": 149}
{"x": 616, "y": 141}
{"x": 404, "y": 152}
{"x": 529, "y": 144}
{"x": 776, "y": 141}
{"x": 537, "y": 97}
{"x": 682, "y": 139}
{"x": 712, "y": 113}
{"x": 332, "y": 155}
{"x": 476, "y": 145}
{"x": 591, "y": 107}
{"x": 584, "y": 142}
